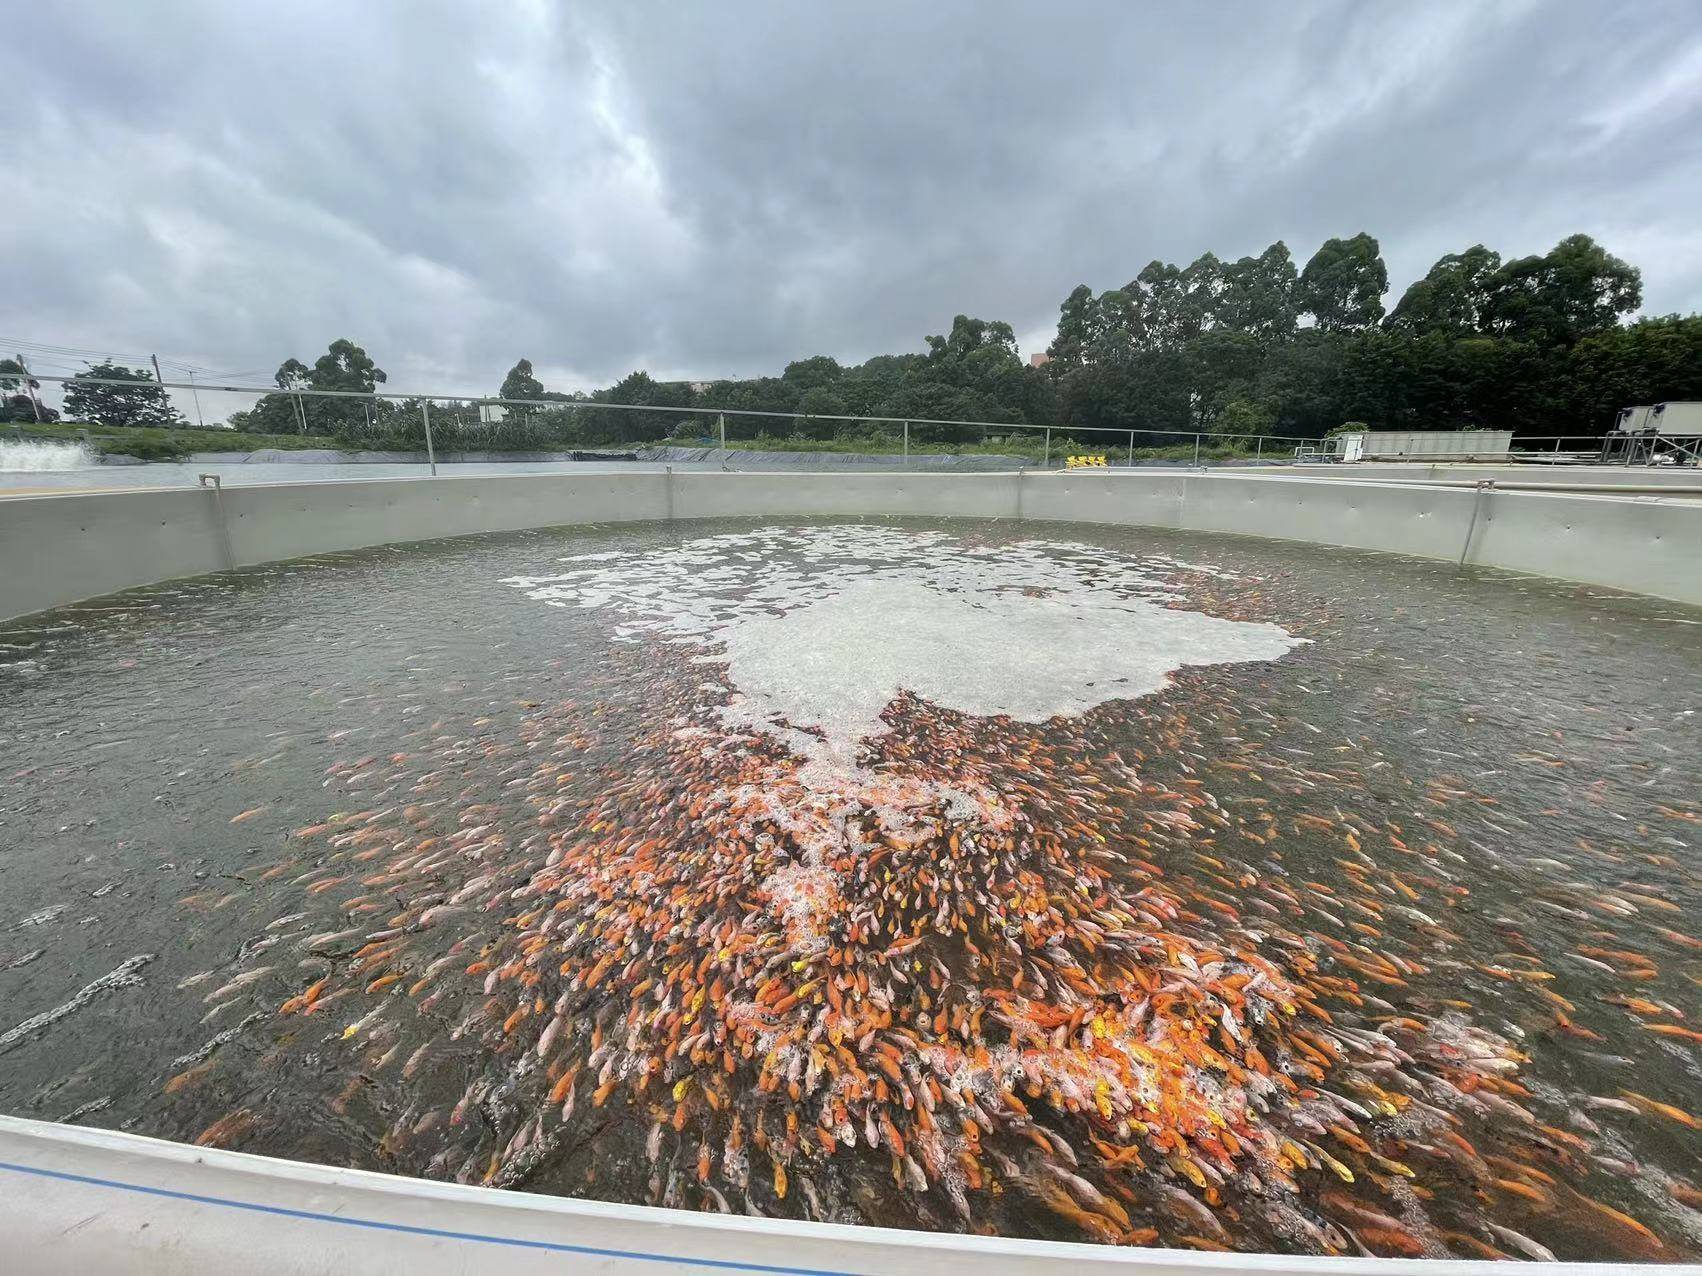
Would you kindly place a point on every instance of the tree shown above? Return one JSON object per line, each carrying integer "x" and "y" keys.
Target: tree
{"x": 1118, "y": 328}
{"x": 815, "y": 409}
{"x": 1452, "y": 298}
{"x": 1223, "y": 366}
{"x": 1147, "y": 393}
{"x": 978, "y": 359}
{"x": 293, "y": 374}
{"x": 969, "y": 337}
{"x": 12, "y": 375}
{"x": 1300, "y": 381}
{"x": 520, "y": 383}
{"x": 1576, "y": 289}
{"x": 1202, "y": 291}
{"x": 928, "y": 401}
{"x": 759, "y": 394}
{"x": 143, "y": 403}
{"x": 20, "y": 407}
{"x": 1245, "y": 416}
{"x": 344, "y": 366}
{"x": 866, "y": 386}
{"x": 637, "y": 389}
{"x": 1342, "y": 286}
{"x": 1647, "y": 362}
{"x": 1075, "y": 331}
{"x": 1174, "y": 304}
{"x": 1256, "y": 295}
{"x": 813, "y": 373}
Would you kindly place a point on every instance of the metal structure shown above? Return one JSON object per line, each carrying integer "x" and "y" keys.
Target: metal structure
{"x": 1656, "y": 434}
{"x": 1651, "y": 447}
{"x": 1422, "y": 445}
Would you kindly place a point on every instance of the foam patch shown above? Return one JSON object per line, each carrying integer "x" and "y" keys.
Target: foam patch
{"x": 822, "y": 627}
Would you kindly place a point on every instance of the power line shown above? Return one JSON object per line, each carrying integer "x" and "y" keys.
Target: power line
{"x": 46, "y": 352}
{"x": 42, "y": 347}
{"x": 40, "y": 363}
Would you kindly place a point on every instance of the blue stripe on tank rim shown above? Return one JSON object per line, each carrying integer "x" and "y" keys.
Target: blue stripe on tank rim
{"x": 437, "y": 1233}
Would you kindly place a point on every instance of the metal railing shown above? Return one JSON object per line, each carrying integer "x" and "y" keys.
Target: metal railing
{"x": 1611, "y": 448}
{"x": 1278, "y": 446}
{"x": 1603, "y": 448}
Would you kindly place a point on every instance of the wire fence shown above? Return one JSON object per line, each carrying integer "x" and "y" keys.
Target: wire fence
{"x": 455, "y": 425}
{"x": 445, "y": 424}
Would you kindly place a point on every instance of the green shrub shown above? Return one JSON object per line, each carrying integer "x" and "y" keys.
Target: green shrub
{"x": 144, "y": 448}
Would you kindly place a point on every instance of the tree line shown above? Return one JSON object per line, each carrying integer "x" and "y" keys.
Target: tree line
{"x": 1536, "y": 344}
{"x": 1542, "y": 344}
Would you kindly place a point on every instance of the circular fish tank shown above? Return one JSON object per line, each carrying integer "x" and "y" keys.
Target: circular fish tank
{"x": 1103, "y": 884}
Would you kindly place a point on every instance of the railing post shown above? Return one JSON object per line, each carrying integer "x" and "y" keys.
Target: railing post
{"x": 431, "y": 452}
{"x": 721, "y": 428}
{"x": 907, "y": 440}
{"x": 1046, "y": 464}
{"x": 1131, "y": 449}
{"x": 1258, "y": 447}
{"x": 1196, "y": 451}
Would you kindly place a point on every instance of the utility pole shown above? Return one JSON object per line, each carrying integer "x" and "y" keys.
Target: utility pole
{"x": 29, "y": 389}
{"x": 159, "y": 379}
{"x": 192, "y": 390}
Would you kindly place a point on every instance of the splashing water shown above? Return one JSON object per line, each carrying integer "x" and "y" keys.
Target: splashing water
{"x": 30, "y": 455}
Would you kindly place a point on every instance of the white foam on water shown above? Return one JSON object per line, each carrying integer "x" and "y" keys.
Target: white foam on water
{"x": 835, "y": 665}
{"x": 124, "y": 976}
{"x": 822, "y": 627}
{"x": 26, "y": 455}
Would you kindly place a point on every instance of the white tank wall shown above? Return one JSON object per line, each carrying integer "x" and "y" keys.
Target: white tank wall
{"x": 1641, "y": 544}
{"x": 270, "y": 522}
{"x": 1427, "y": 522}
{"x": 708, "y": 494}
{"x": 77, "y": 1200}
{"x": 56, "y": 549}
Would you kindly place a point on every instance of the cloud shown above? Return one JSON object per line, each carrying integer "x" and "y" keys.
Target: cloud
{"x": 715, "y": 190}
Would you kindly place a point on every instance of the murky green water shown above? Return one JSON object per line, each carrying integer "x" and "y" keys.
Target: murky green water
{"x": 1444, "y": 854}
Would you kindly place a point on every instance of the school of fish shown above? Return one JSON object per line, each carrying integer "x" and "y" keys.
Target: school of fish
{"x": 1148, "y": 975}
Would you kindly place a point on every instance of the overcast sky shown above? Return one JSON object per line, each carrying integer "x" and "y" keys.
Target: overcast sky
{"x": 708, "y": 190}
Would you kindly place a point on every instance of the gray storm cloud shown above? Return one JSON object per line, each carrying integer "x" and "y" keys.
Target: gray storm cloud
{"x": 711, "y": 191}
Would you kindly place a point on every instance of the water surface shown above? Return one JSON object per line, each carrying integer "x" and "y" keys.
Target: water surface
{"x": 1381, "y": 941}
